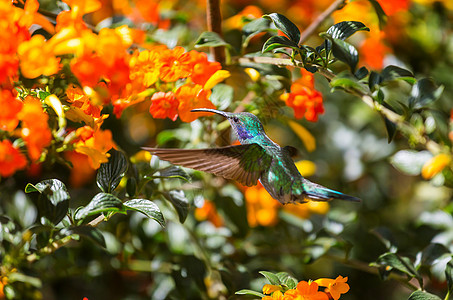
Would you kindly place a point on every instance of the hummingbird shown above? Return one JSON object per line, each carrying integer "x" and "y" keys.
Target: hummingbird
{"x": 257, "y": 158}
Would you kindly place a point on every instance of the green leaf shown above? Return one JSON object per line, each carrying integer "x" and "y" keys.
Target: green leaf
{"x": 382, "y": 17}
{"x": 347, "y": 81}
{"x": 254, "y": 27}
{"x": 449, "y": 276}
{"x": 374, "y": 80}
{"x": 180, "y": 203}
{"x": 222, "y": 95}
{"x": 174, "y": 172}
{"x": 146, "y": 207}
{"x": 286, "y": 26}
{"x": 53, "y": 201}
{"x": 210, "y": 39}
{"x": 424, "y": 92}
{"x": 273, "y": 279}
{"x": 393, "y": 72}
{"x": 110, "y": 173}
{"x": 54, "y": 189}
{"x": 100, "y": 203}
{"x": 422, "y": 295}
{"x": 287, "y": 280}
{"x": 250, "y": 292}
{"x": 345, "y": 29}
{"x": 410, "y": 162}
{"x": 361, "y": 73}
{"x": 345, "y": 52}
{"x": 278, "y": 42}
{"x": 391, "y": 129}
{"x": 131, "y": 186}
{"x": 90, "y": 232}
{"x": 400, "y": 263}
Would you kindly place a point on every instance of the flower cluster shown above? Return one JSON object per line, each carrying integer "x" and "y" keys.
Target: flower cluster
{"x": 94, "y": 69}
{"x": 304, "y": 99}
{"x": 309, "y": 290}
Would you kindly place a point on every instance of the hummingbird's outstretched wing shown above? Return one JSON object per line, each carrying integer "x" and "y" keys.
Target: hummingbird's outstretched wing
{"x": 243, "y": 163}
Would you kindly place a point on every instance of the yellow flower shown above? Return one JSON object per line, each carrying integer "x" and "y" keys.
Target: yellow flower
{"x": 270, "y": 288}
{"x": 435, "y": 165}
{"x": 335, "y": 287}
{"x": 277, "y": 295}
{"x": 306, "y": 168}
{"x": 37, "y": 58}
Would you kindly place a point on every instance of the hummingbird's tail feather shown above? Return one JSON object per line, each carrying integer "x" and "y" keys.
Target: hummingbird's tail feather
{"x": 316, "y": 192}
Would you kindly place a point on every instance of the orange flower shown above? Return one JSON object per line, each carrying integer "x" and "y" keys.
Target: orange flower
{"x": 262, "y": 209}
{"x": 88, "y": 69}
{"x": 145, "y": 66}
{"x": 13, "y": 31}
{"x": 192, "y": 96}
{"x": 81, "y": 172}
{"x": 11, "y": 106}
{"x": 11, "y": 159}
{"x": 270, "y": 288}
{"x": 391, "y": 7}
{"x": 94, "y": 144}
{"x": 117, "y": 76}
{"x": 209, "y": 212}
{"x": 78, "y": 99}
{"x": 36, "y": 58}
{"x": 237, "y": 21}
{"x": 306, "y": 291}
{"x": 277, "y": 295}
{"x": 373, "y": 51}
{"x": 176, "y": 64}
{"x": 306, "y": 102}
{"x": 202, "y": 68}
{"x": 164, "y": 105}
{"x": 435, "y": 165}
{"x": 35, "y": 130}
{"x": 335, "y": 287}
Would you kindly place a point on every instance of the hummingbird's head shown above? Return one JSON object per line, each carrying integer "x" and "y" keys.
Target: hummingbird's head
{"x": 246, "y": 125}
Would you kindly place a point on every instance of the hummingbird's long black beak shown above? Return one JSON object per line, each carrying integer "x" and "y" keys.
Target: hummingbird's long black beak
{"x": 222, "y": 113}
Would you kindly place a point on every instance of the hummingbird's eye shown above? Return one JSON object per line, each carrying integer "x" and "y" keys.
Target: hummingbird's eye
{"x": 235, "y": 119}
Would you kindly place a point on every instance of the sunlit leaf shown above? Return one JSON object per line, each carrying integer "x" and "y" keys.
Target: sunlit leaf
{"x": 146, "y": 207}
{"x": 422, "y": 295}
{"x": 273, "y": 279}
{"x": 249, "y": 292}
{"x": 100, "y": 203}
{"x": 286, "y": 26}
{"x": 345, "y": 29}
{"x": 287, "y": 280}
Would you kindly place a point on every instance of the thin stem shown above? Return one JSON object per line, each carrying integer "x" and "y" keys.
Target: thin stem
{"x": 214, "y": 20}
{"x": 320, "y": 19}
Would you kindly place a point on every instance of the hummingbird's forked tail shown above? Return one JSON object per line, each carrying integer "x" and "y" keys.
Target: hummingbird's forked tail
{"x": 316, "y": 192}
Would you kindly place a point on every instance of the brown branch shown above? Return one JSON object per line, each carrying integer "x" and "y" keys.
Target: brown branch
{"x": 320, "y": 19}
{"x": 214, "y": 20}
